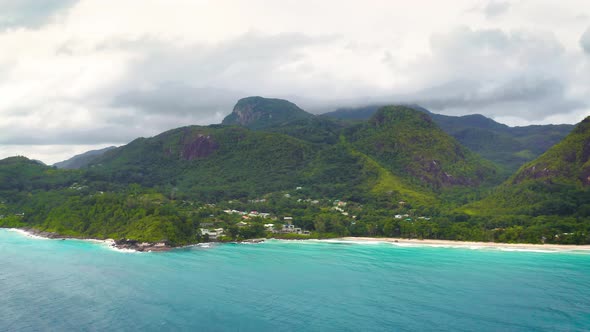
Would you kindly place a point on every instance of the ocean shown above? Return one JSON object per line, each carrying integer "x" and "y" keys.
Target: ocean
{"x": 72, "y": 285}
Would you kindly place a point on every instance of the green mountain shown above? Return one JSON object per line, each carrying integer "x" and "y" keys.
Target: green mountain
{"x": 397, "y": 174}
{"x": 508, "y": 147}
{"x": 259, "y": 113}
{"x": 208, "y": 162}
{"x": 19, "y": 174}
{"x": 556, "y": 183}
{"x": 82, "y": 160}
{"x": 409, "y": 143}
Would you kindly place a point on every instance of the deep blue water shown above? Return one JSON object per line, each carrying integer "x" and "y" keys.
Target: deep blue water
{"x": 288, "y": 286}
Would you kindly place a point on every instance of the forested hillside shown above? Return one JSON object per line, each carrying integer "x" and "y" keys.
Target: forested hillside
{"x": 508, "y": 147}
{"x": 397, "y": 174}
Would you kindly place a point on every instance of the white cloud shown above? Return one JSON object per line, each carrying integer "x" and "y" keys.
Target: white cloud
{"x": 79, "y": 73}
{"x": 30, "y": 13}
{"x": 585, "y": 41}
{"x": 496, "y": 8}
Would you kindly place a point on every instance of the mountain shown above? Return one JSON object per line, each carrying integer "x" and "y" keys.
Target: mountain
{"x": 509, "y": 147}
{"x": 387, "y": 176}
{"x": 556, "y": 183}
{"x": 209, "y": 162}
{"x": 19, "y": 176}
{"x": 82, "y": 160}
{"x": 568, "y": 161}
{"x": 409, "y": 143}
{"x": 259, "y": 113}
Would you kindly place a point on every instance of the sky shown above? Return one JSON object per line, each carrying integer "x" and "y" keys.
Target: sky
{"x": 77, "y": 75}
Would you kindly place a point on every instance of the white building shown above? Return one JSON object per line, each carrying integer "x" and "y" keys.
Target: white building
{"x": 213, "y": 234}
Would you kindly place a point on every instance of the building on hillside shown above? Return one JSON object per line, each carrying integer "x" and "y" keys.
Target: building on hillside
{"x": 290, "y": 228}
{"x": 213, "y": 234}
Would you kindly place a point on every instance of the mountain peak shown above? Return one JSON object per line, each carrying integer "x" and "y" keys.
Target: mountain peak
{"x": 409, "y": 142}
{"x": 259, "y": 112}
{"x": 567, "y": 161}
{"x": 394, "y": 115}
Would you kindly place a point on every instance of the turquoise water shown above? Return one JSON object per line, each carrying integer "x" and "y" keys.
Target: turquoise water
{"x": 288, "y": 286}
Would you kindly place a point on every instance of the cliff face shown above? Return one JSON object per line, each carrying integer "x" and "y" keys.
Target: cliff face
{"x": 200, "y": 146}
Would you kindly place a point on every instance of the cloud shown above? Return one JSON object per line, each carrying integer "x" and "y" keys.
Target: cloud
{"x": 585, "y": 41}
{"x": 184, "y": 81}
{"x": 533, "y": 99}
{"x": 496, "y": 8}
{"x": 497, "y": 73}
{"x": 67, "y": 78}
{"x": 30, "y": 13}
{"x": 178, "y": 98}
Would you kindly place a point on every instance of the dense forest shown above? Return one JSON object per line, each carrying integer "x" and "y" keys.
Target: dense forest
{"x": 397, "y": 174}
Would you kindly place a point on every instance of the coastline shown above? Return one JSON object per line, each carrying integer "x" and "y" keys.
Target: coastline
{"x": 126, "y": 245}
{"x": 467, "y": 244}
{"x": 121, "y": 245}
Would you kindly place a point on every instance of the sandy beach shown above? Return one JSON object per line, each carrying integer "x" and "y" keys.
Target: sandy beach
{"x": 397, "y": 241}
{"x": 471, "y": 244}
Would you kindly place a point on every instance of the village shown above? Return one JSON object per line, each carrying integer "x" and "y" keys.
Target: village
{"x": 271, "y": 224}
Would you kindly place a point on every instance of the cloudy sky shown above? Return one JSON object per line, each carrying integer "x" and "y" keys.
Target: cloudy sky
{"x": 83, "y": 74}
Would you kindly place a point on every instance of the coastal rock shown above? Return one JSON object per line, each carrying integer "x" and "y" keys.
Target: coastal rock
{"x": 141, "y": 246}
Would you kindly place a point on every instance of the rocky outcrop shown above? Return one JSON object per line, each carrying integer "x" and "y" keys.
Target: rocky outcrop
{"x": 431, "y": 172}
{"x": 142, "y": 246}
{"x": 199, "y": 146}
{"x": 535, "y": 172}
{"x": 260, "y": 113}
{"x": 119, "y": 244}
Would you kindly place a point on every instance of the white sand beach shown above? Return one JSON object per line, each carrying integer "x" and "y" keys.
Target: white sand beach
{"x": 471, "y": 244}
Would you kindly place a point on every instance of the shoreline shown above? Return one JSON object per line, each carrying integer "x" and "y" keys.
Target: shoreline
{"x": 467, "y": 244}
{"x": 135, "y": 246}
{"x": 121, "y": 245}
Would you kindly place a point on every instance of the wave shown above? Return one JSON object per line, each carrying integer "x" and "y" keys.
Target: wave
{"x": 27, "y": 234}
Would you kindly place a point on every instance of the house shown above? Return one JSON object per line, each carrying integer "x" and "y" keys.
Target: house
{"x": 398, "y": 216}
{"x": 289, "y": 228}
{"x": 213, "y": 234}
{"x": 269, "y": 227}
{"x": 242, "y": 224}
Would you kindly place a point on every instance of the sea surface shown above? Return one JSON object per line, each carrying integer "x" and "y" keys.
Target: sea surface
{"x": 71, "y": 285}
